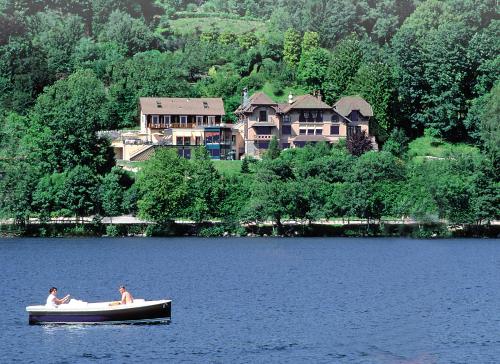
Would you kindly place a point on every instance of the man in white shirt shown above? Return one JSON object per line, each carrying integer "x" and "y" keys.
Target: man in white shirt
{"x": 53, "y": 301}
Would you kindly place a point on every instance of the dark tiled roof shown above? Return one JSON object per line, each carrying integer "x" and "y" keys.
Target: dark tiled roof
{"x": 181, "y": 106}
{"x": 260, "y": 98}
{"x": 257, "y": 99}
{"x": 305, "y": 102}
{"x": 349, "y": 103}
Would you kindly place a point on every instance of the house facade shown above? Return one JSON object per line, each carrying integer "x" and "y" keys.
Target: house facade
{"x": 303, "y": 119}
{"x": 180, "y": 123}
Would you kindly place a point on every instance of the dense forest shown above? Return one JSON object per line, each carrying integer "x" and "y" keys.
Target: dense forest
{"x": 429, "y": 68}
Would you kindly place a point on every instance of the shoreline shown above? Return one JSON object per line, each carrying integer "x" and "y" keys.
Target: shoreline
{"x": 217, "y": 229}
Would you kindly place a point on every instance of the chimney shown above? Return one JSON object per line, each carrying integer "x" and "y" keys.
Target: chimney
{"x": 290, "y": 98}
{"x": 318, "y": 95}
{"x": 245, "y": 97}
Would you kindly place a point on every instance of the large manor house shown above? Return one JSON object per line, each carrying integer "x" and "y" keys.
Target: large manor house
{"x": 185, "y": 123}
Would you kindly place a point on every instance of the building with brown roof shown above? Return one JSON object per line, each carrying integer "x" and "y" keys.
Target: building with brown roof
{"x": 185, "y": 122}
{"x": 303, "y": 119}
{"x": 181, "y": 123}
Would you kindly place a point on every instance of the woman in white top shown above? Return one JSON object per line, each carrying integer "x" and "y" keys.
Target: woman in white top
{"x": 53, "y": 301}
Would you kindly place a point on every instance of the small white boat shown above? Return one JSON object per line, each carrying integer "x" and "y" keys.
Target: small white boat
{"x": 101, "y": 312}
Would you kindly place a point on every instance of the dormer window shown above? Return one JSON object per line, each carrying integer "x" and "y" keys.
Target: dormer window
{"x": 205, "y": 105}
{"x": 354, "y": 115}
{"x": 184, "y": 119}
{"x": 199, "y": 120}
{"x": 263, "y": 115}
{"x": 155, "y": 119}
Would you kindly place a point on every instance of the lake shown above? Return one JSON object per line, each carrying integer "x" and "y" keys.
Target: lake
{"x": 244, "y": 300}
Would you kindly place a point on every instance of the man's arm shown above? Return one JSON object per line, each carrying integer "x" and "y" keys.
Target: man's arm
{"x": 62, "y": 300}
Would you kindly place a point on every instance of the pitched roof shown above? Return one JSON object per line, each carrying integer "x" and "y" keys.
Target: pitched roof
{"x": 305, "y": 102}
{"x": 181, "y": 106}
{"x": 349, "y": 103}
{"x": 260, "y": 98}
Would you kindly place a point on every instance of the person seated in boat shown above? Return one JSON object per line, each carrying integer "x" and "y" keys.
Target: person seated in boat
{"x": 126, "y": 296}
{"x": 53, "y": 301}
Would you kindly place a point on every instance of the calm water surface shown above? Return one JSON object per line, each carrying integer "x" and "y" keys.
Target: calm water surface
{"x": 261, "y": 300}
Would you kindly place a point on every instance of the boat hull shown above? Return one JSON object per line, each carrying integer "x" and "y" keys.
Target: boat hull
{"x": 155, "y": 312}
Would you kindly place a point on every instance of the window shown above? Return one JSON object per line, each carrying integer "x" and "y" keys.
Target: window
{"x": 285, "y": 145}
{"x": 211, "y": 120}
{"x": 263, "y": 115}
{"x": 354, "y": 115}
{"x": 263, "y": 130}
{"x": 286, "y": 130}
{"x": 310, "y": 131}
{"x": 155, "y": 120}
{"x": 167, "y": 119}
{"x": 197, "y": 140}
{"x": 199, "y": 120}
{"x": 319, "y": 116}
{"x": 302, "y": 131}
{"x": 302, "y": 117}
{"x": 319, "y": 131}
{"x": 262, "y": 144}
{"x": 335, "y": 118}
{"x": 358, "y": 129}
{"x": 184, "y": 119}
{"x": 310, "y": 117}
{"x": 212, "y": 137}
{"x": 287, "y": 119}
{"x": 335, "y": 129}
{"x": 183, "y": 141}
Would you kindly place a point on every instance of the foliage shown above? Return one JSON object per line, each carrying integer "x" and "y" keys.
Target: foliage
{"x": 163, "y": 187}
{"x": 291, "y": 47}
{"x": 245, "y": 166}
{"x": 397, "y": 144}
{"x": 274, "y": 150}
{"x": 80, "y": 191}
{"x": 359, "y": 143}
{"x": 64, "y": 122}
{"x": 205, "y": 189}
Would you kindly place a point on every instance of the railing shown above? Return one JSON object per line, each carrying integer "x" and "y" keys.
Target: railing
{"x": 263, "y": 137}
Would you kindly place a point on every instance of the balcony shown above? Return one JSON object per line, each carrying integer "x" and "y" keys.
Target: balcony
{"x": 264, "y": 136}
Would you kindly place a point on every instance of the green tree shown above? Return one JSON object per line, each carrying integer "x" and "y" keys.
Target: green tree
{"x": 375, "y": 82}
{"x": 163, "y": 186}
{"x": 57, "y": 36}
{"x": 490, "y": 127}
{"x": 245, "y": 168}
{"x": 397, "y": 144}
{"x": 112, "y": 193}
{"x": 291, "y": 47}
{"x": 205, "y": 187}
{"x": 48, "y": 195}
{"x": 64, "y": 125}
{"x": 345, "y": 62}
{"x": 80, "y": 193}
{"x": 274, "y": 150}
{"x": 310, "y": 41}
{"x": 133, "y": 34}
{"x": 313, "y": 68}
